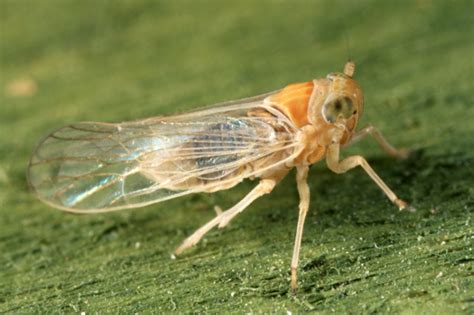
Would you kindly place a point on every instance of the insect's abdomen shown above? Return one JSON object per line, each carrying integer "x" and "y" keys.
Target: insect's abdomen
{"x": 221, "y": 145}
{"x": 293, "y": 101}
{"x": 217, "y": 153}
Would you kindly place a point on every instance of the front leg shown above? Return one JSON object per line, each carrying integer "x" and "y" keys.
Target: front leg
{"x": 377, "y": 135}
{"x": 303, "y": 190}
{"x": 337, "y": 166}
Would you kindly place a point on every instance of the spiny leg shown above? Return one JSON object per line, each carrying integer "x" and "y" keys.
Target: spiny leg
{"x": 217, "y": 210}
{"x": 377, "y": 135}
{"x": 264, "y": 187}
{"x": 337, "y": 166}
{"x": 303, "y": 190}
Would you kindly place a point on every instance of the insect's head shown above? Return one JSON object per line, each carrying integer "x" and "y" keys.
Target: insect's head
{"x": 340, "y": 103}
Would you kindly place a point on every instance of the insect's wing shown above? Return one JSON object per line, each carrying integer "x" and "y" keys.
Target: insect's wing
{"x": 98, "y": 167}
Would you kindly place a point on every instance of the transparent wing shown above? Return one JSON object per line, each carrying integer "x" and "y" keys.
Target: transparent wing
{"x": 98, "y": 167}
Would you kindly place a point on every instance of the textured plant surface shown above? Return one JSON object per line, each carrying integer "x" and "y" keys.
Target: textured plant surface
{"x": 67, "y": 61}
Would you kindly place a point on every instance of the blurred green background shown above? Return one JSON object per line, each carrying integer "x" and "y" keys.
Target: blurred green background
{"x": 67, "y": 61}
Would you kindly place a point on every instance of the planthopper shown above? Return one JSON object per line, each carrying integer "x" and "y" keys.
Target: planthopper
{"x": 92, "y": 167}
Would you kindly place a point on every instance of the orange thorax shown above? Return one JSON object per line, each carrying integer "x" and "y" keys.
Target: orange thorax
{"x": 293, "y": 101}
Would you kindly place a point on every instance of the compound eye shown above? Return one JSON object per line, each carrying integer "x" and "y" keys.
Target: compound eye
{"x": 337, "y": 107}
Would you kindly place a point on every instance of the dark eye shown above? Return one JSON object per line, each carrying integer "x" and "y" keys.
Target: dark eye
{"x": 339, "y": 106}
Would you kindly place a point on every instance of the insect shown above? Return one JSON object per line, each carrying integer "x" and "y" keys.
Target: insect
{"x": 92, "y": 167}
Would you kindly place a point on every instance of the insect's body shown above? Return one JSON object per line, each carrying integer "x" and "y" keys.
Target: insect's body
{"x": 98, "y": 167}
{"x": 311, "y": 132}
{"x": 224, "y": 141}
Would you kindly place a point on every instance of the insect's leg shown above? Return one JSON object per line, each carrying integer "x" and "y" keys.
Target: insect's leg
{"x": 218, "y": 210}
{"x": 303, "y": 190}
{"x": 196, "y": 236}
{"x": 264, "y": 187}
{"x": 337, "y": 166}
{"x": 377, "y": 135}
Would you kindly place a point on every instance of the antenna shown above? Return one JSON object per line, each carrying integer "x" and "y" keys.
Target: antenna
{"x": 348, "y": 50}
{"x": 349, "y": 67}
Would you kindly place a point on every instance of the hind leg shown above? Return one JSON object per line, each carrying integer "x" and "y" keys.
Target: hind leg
{"x": 264, "y": 187}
